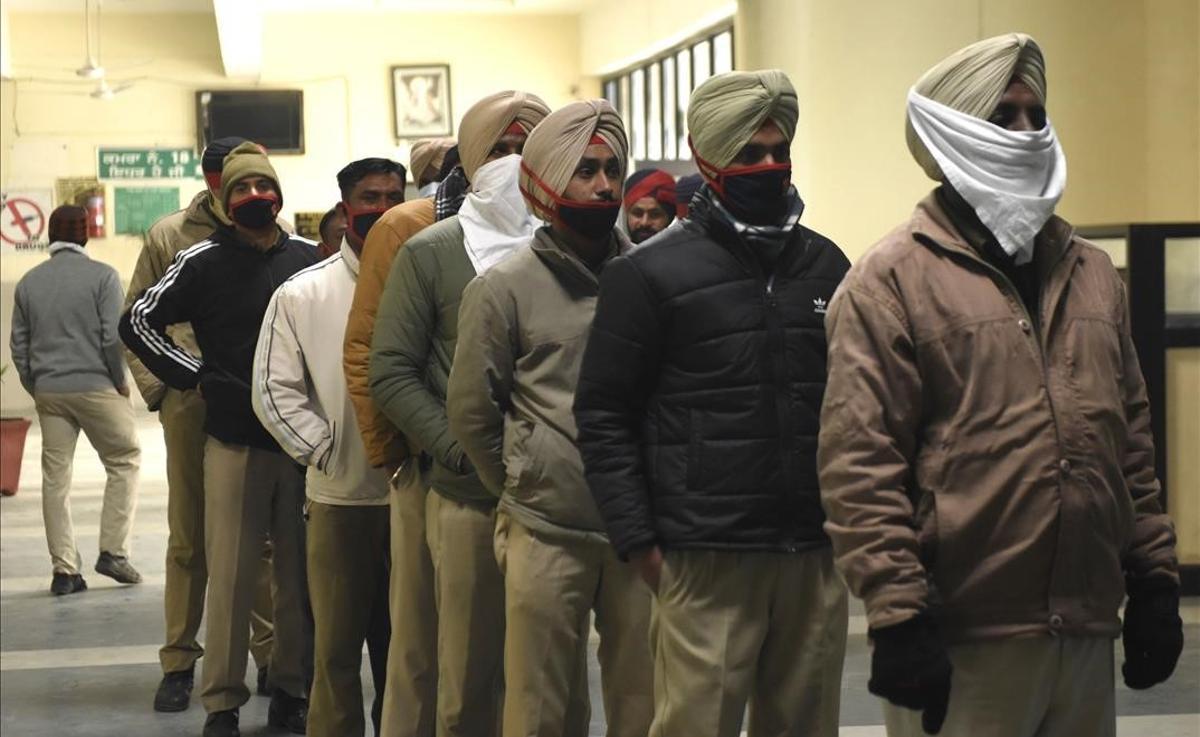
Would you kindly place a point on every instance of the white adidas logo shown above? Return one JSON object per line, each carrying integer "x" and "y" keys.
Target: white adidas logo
{"x": 819, "y": 306}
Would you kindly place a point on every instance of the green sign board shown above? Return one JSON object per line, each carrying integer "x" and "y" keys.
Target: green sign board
{"x": 148, "y": 163}
{"x": 137, "y": 208}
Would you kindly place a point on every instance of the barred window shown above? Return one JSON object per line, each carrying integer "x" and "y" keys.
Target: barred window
{"x": 652, "y": 96}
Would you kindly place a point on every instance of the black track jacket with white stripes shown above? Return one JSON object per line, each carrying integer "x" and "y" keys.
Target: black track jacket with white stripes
{"x": 221, "y": 286}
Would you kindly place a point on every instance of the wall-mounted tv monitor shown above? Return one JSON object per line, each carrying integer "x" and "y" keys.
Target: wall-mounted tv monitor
{"x": 273, "y": 118}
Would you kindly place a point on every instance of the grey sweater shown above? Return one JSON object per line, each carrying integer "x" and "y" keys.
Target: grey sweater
{"x": 64, "y": 325}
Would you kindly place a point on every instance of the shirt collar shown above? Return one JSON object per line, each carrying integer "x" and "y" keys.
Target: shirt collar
{"x": 58, "y": 246}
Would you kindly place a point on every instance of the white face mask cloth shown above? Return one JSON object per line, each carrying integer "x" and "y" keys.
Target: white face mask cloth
{"x": 494, "y": 218}
{"x": 1013, "y": 179}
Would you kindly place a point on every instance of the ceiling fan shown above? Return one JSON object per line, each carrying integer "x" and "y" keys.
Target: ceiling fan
{"x": 93, "y": 69}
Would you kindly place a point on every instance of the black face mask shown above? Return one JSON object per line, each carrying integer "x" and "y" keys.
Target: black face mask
{"x": 254, "y": 212}
{"x": 757, "y": 195}
{"x": 592, "y": 220}
{"x": 360, "y": 221}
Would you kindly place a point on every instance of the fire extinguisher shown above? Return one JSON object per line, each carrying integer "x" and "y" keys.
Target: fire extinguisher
{"x": 95, "y": 214}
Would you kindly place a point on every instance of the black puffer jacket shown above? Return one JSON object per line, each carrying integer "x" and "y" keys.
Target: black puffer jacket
{"x": 701, "y": 389}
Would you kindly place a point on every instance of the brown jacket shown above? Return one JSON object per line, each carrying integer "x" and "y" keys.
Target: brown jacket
{"x": 168, "y": 236}
{"x": 384, "y": 443}
{"x": 993, "y": 468}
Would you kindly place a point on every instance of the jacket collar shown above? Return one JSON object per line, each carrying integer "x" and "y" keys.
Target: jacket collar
{"x": 58, "y": 247}
{"x": 931, "y": 225}
{"x": 227, "y": 235}
{"x": 200, "y": 211}
{"x": 349, "y": 258}
{"x": 563, "y": 261}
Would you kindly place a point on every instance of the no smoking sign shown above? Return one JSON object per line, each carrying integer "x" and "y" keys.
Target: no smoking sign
{"x": 23, "y": 218}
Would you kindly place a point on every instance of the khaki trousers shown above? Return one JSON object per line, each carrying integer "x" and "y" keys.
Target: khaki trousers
{"x": 1024, "y": 687}
{"x": 348, "y": 570}
{"x": 182, "y": 418}
{"x": 248, "y": 494}
{"x": 766, "y": 628}
{"x": 551, "y": 589}
{"x": 106, "y": 418}
{"x": 469, "y": 592}
{"x": 410, "y": 699}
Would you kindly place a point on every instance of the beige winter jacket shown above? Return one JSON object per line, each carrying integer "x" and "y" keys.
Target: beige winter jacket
{"x": 995, "y": 468}
{"x": 522, "y": 329}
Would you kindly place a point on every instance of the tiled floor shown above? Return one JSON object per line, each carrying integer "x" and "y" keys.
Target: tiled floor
{"x": 87, "y": 664}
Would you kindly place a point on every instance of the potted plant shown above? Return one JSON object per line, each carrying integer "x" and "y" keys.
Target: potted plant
{"x": 12, "y": 447}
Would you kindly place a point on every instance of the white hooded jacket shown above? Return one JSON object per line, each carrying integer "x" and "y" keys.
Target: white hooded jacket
{"x": 299, "y": 391}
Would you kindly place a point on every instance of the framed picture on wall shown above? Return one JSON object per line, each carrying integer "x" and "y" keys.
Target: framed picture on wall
{"x": 421, "y": 101}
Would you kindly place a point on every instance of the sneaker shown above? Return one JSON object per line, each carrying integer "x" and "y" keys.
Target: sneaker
{"x": 264, "y": 681}
{"x": 175, "y": 690}
{"x": 287, "y": 711}
{"x": 67, "y": 583}
{"x": 117, "y": 568}
{"x": 222, "y": 724}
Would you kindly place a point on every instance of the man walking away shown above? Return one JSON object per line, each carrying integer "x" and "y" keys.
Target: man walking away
{"x": 68, "y": 356}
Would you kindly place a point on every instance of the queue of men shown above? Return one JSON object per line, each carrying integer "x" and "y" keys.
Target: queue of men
{"x": 497, "y": 417}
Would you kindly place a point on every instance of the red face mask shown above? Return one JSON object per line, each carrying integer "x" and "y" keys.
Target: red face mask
{"x": 592, "y": 219}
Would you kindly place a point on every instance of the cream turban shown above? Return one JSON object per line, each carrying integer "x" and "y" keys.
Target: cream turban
{"x": 727, "y": 110}
{"x": 556, "y": 145}
{"x": 972, "y": 80}
{"x": 425, "y": 158}
{"x": 489, "y": 118}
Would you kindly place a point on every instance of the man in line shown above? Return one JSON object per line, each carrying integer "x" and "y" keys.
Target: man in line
{"x": 251, "y": 489}
{"x": 649, "y": 203}
{"x": 412, "y": 351}
{"x": 425, "y": 162}
{"x": 332, "y": 230}
{"x": 697, "y": 410}
{"x": 181, "y": 414}
{"x": 686, "y": 188}
{"x": 68, "y": 356}
{"x": 986, "y": 458}
{"x": 523, "y": 325}
{"x": 492, "y": 128}
{"x": 299, "y": 394}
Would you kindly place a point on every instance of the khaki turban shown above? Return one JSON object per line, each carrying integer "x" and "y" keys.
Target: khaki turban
{"x": 425, "y": 158}
{"x": 488, "y": 119}
{"x": 553, "y": 151}
{"x": 972, "y": 80}
{"x": 727, "y": 110}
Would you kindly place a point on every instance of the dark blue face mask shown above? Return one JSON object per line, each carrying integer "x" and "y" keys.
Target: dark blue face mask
{"x": 592, "y": 220}
{"x": 756, "y": 195}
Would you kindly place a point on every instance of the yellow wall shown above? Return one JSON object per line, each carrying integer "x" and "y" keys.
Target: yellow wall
{"x": 619, "y": 33}
{"x": 1183, "y": 462}
{"x": 340, "y": 60}
{"x": 1124, "y": 96}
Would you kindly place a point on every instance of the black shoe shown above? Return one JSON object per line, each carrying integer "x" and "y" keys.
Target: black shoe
{"x": 264, "y": 681}
{"x": 117, "y": 568}
{"x": 288, "y": 712}
{"x": 67, "y": 583}
{"x": 175, "y": 690}
{"x": 222, "y": 724}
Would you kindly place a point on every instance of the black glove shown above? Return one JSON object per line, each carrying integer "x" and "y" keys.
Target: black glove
{"x": 1153, "y": 632}
{"x": 910, "y": 668}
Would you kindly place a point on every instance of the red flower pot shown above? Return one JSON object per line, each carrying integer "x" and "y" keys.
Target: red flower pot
{"x": 12, "y": 446}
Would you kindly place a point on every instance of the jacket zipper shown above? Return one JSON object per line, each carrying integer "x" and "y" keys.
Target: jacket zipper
{"x": 777, "y": 344}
